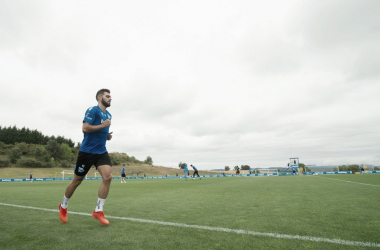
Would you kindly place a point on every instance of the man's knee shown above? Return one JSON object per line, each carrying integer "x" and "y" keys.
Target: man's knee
{"x": 77, "y": 182}
{"x": 107, "y": 177}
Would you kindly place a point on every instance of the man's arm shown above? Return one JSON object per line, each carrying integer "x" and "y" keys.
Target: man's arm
{"x": 87, "y": 128}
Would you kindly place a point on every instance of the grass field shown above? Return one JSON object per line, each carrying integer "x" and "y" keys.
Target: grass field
{"x": 289, "y": 212}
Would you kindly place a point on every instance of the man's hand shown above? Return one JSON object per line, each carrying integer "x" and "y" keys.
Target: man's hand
{"x": 109, "y": 136}
{"x": 107, "y": 123}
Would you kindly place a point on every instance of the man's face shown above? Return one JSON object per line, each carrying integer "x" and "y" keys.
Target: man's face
{"x": 106, "y": 99}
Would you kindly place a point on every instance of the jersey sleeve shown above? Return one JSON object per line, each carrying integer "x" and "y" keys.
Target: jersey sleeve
{"x": 89, "y": 117}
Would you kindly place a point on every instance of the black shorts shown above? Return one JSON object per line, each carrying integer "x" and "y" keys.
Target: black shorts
{"x": 86, "y": 160}
{"x": 122, "y": 175}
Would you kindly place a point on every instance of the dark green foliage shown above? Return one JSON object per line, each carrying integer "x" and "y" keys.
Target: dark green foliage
{"x": 5, "y": 162}
{"x": 181, "y": 165}
{"x": 354, "y": 168}
{"x": 46, "y": 165}
{"x": 14, "y": 154}
{"x": 23, "y": 147}
{"x": 245, "y": 167}
{"x": 148, "y": 160}
{"x": 66, "y": 164}
{"x": 226, "y": 168}
{"x": 376, "y": 168}
{"x": 53, "y": 147}
{"x": 12, "y": 135}
{"x": 28, "y": 162}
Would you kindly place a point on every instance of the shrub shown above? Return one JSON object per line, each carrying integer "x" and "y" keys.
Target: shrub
{"x": 14, "y": 154}
{"x": 23, "y": 147}
{"x": 65, "y": 164}
{"x": 4, "y": 163}
{"x": 245, "y": 167}
{"x": 46, "y": 165}
{"x": 28, "y": 162}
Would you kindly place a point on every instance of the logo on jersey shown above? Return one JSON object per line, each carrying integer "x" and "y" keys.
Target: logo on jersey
{"x": 88, "y": 116}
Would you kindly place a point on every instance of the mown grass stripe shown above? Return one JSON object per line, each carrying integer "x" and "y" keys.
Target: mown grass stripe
{"x": 219, "y": 229}
{"x": 350, "y": 181}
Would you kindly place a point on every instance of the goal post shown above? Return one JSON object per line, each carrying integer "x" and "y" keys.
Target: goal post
{"x": 66, "y": 172}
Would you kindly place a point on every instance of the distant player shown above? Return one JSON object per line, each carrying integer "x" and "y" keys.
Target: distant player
{"x": 185, "y": 170}
{"x": 237, "y": 171}
{"x": 96, "y": 123}
{"x": 31, "y": 177}
{"x": 123, "y": 174}
{"x": 195, "y": 172}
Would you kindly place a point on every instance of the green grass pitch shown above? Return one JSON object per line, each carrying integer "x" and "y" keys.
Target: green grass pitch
{"x": 311, "y": 210}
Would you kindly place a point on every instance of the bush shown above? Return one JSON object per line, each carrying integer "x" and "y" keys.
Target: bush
{"x": 14, "y": 154}
{"x": 245, "y": 167}
{"x": 376, "y": 168}
{"x": 47, "y": 165}
{"x": 353, "y": 168}
{"x": 65, "y": 164}
{"x": 4, "y": 163}
{"x": 28, "y": 162}
{"x": 23, "y": 147}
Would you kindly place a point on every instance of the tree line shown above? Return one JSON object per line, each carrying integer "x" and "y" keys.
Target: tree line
{"x": 30, "y": 148}
{"x": 12, "y": 135}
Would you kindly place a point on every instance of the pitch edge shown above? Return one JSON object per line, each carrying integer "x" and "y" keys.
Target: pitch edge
{"x": 219, "y": 229}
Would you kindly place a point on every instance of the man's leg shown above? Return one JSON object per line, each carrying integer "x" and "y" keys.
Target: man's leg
{"x": 73, "y": 185}
{"x": 68, "y": 193}
{"x": 106, "y": 173}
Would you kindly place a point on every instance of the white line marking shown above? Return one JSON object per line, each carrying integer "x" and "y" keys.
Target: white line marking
{"x": 220, "y": 229}
{"x": 350, "y": 181}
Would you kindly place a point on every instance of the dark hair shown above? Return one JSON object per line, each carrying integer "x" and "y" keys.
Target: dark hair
{"x": 101, "y": 92}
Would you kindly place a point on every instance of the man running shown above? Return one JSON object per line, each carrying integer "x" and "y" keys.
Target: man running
{"x": 96, "y": 123}
{"x": 195, "y": 172}
{"x": 123, "y": 174}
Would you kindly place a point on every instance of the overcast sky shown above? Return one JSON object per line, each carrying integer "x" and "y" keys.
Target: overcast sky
{"x": 210, "y": 83}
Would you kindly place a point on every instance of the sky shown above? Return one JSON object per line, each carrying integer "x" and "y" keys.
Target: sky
{"x": 212, "y": 83}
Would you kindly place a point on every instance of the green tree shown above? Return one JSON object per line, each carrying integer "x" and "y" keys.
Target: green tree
{"x": 354, "y": 168}
{"x": 65, "y": 152}
{"x": 226, "y": 168}
{"x": 304, "y": 167}
{"x": 181, "y": 165}
{"x": 53, "y": 147}
{"x": 14, "y": 154}
{"x": 149, "y": 160}
{"x": 245, "y": 167}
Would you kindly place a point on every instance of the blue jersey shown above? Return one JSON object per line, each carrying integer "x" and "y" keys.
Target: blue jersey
{"x": 185, "y": 169}
{"x": 195, "y": 169}
{"x": 123, "y": 170}
{"x": 95, "y": 142}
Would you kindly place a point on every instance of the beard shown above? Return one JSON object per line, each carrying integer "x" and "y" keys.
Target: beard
{"x": 105, "y": 103}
